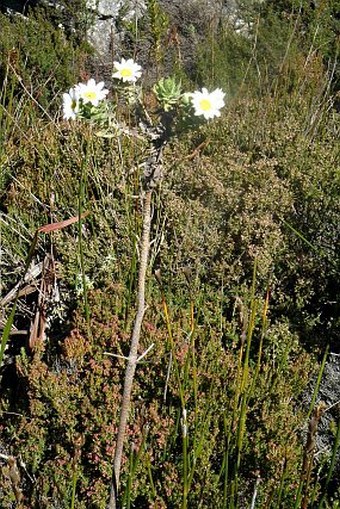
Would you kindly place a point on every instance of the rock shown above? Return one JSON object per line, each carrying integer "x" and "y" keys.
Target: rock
{"x": 330, "y": 394}
{"x": 104, "y": 34}
{"x": 101, "y": 18}
{"x": 329, "y": 397}
{"x": 104, "y": 20}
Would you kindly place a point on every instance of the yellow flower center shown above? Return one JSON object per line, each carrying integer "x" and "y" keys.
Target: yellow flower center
{"x": 205, "y": 104}
{"x": 90, "y": 95}
{"x": 126, "y": 73}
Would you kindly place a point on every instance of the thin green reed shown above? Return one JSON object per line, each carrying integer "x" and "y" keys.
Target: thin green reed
{"x": 134, "y": 226}
{"x": 299, "y": 491}
{"x": 318, "y": 383}
{"x": 230, "y": 427}
{"x": 74, "y": 487}
{"x": 183, "y": 379}
{"x": 183, "y": 420}
{"x": 262, "y": 336}
{"x": 82, "y": 195}
{"x": 186, "y": 464}
{"x": 190, "y": 361}
{"x": 225, "y": 463}
{"x": 193, "y": 444}
{"x": 6, "y": 107}
{"x": 147, "y": 462}
{"x": 331, "y": 467}
{"x": 237, "y": 426}
{"x": 244, "y": 393}
{"x": 173, "y": 359}
{"x": 281, "y": 488}
{"x": 134, "y": 461}
{"x": 199, "y": 435}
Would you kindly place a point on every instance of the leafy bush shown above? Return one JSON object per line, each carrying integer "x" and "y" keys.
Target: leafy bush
{"x": 66, "y": 431}
{"x": 37, "y": 59}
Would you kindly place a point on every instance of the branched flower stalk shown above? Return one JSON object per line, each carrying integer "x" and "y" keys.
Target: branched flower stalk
{"x": 152, "y": 174}
{"x": 177, "y": 113}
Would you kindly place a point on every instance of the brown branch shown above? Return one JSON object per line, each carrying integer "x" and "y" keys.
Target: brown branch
{"x": 133, "y": 355}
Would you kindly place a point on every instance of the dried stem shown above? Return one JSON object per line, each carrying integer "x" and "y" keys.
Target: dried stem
{"x": 133, "y": 356}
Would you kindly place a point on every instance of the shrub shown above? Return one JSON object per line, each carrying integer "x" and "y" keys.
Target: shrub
{"x": 37, "y": 60}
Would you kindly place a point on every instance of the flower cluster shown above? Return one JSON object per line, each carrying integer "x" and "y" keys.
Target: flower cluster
{"x": 201, "y": 103}
{"x": 84, "y": 93}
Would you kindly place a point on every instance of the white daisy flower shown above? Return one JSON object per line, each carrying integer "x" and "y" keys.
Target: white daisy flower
{"x": 92, "y": 92}
{"x": 71, "y": 103}
{"x": 207, "y": 103}
{"x": 127, "y": 70}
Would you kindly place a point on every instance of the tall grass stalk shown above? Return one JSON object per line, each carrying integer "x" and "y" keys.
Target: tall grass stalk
{"x": 242, "y": 394}
{"x": 184, "y": 426}
{"x": 183, "y": 419}
{"x": 81, "y": 209}
{"x": 331, "y": 467}
{"x": 74, "y": 487}
{"x": 134, "y": 460}
{"x": 280, "y": 491}
{"x": 194, "y": 435}
{"x": 302, "y": 495}
{"x": 6, "y": 106}
{"x": 318, "y": 382}
{"x": 263, "y": 333}
{"x": 311, "y": 418}
{"x": 173, "y": 359}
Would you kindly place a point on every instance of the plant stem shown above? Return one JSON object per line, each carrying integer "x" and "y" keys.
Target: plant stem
{"x": 81, "y": 201}
{"x": 132, "y": 361}
{"x": 74, "y": 486}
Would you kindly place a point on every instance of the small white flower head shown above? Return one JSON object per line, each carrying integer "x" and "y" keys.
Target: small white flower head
{"x": 92, "y": 92}
{"x": 127, "y": 70}
{"x": 207, "y": 103}
{"x": 71, "y": 103}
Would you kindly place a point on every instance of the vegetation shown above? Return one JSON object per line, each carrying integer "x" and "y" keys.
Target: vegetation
{"x": 242, "y": 286}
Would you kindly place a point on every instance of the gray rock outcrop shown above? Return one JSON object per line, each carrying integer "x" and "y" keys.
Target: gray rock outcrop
{"x": 104, "y": 33}
{"x": 329, "y": 398}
